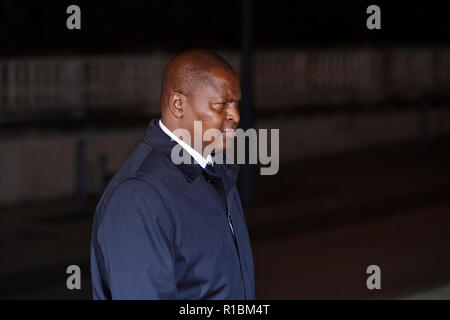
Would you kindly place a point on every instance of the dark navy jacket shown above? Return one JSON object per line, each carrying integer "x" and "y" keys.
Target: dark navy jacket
{"x": 161, "y": 230}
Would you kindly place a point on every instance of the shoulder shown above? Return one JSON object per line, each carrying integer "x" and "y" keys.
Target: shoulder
{"x": 134, "y": 204}
{"x": 138, "y": 192}
{"x": 147, "y": 169}
{"x": 155, "y": 165}
{"x": 135, "y": 189}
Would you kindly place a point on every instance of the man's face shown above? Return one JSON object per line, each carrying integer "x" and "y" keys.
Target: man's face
{"x": 215, "y": 105}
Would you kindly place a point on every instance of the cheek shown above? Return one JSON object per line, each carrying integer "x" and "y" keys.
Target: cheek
{"x": 214, "y": 128}
{"x": 212, "y": 119}
{"x": 214, "y": 125}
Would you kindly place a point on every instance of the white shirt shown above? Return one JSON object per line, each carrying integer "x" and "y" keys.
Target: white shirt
{"x": 202, "y": 161}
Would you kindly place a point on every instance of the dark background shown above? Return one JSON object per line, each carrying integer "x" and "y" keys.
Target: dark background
{"x": 361, "y": 181}
{"x": 29, "y": 27}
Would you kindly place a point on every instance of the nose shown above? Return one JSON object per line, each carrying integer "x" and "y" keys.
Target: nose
{"x": 233, "y": 114}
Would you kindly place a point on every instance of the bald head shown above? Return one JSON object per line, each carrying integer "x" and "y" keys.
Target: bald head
{"x": 189, "y": 71}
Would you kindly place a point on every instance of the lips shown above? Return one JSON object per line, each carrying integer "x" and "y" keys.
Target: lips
{"x": 229, "y": 133}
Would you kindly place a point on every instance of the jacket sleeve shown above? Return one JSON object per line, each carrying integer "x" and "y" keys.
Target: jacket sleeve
{"x": 135, "y": 236}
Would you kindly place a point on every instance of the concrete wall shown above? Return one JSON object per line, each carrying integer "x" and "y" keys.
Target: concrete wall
{"x": 300, "y": 138}
{"x": 43, "y": 167}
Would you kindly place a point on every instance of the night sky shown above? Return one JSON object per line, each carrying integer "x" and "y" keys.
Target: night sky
{"x": 38, "y": 27}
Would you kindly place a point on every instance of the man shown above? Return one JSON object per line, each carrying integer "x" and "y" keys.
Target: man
{"x": 177, "y": 231}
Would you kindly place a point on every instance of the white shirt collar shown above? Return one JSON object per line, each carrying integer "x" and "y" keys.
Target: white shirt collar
{"x": 197, "y": 156}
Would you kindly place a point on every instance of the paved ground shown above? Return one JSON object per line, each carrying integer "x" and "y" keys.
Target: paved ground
{"x": 316, "y": 227}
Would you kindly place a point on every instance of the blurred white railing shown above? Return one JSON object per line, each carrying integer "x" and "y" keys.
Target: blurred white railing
{"x": 37, "y": 85}
{"x": 40, "y": 85}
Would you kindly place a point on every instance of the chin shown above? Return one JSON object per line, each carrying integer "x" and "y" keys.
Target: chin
{"x": 221, "y": 148}
{"x": 224, "y": 143}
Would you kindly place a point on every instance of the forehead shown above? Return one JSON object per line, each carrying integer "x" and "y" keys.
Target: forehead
{"x": 221, "y": 83}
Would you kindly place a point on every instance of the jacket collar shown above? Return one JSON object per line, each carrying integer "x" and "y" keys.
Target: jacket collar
{"x": 196, "y": 155}
{"x": 158, "y": 139}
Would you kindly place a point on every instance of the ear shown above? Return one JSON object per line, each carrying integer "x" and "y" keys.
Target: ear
{"x": 176, "y": 104}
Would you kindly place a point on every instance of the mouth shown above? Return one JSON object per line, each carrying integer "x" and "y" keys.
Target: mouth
{"x": 230, "y": 133}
